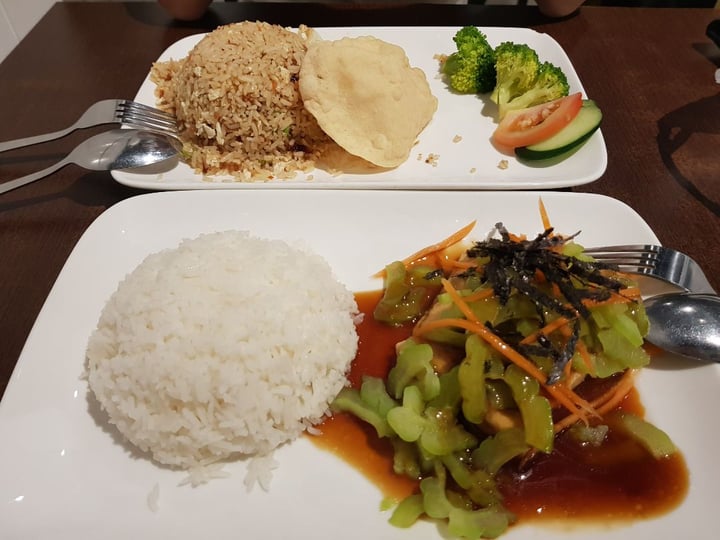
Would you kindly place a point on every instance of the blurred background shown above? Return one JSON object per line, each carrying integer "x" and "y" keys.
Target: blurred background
{"x": 17, "y": 17}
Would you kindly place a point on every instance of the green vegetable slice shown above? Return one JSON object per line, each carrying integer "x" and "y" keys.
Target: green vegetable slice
{"x": 534, "y": 409}
{"x": 472, "y": 380}
{"x": 484, "y": 523}
{"x": 414, "y": 366}
{"x": 401, "y": 302}
{"x": 349, "y": 400}
{"x": 408, "y": 511}
{"x": 655, "y": 440}
{"x": 579, "y": 130}
{"x": 496, "y": 451}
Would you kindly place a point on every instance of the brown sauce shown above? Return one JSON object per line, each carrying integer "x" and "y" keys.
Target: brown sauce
{"x": 617, "y": 481}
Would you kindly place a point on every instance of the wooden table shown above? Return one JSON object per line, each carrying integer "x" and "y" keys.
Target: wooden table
{"x": 652, "y": 69}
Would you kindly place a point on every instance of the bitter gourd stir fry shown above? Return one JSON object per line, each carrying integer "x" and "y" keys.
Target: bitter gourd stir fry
{"x": 506, "y": 331}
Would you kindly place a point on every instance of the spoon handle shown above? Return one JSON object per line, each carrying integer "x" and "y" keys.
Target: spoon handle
{"x": 24, "y": 180}
{"x": 29, "y": 141}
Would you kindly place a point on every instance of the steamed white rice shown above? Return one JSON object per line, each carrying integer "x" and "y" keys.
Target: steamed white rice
{"x": 225, "y": 346}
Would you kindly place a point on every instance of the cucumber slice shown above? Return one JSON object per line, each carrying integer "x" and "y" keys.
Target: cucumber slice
{"x": 571, "y": 136}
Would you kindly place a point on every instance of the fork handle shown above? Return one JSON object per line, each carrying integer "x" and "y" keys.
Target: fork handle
{"x": 24, "y": 180}
{"x": 29, "y": 141}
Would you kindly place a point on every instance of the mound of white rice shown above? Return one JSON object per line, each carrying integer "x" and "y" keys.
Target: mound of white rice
{"x": 227, "y": 345}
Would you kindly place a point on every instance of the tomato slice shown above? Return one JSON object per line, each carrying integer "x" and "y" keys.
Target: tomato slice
{"x": 525, "y": 127}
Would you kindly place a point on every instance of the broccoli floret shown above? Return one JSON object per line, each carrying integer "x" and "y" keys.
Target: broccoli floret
{"x": 471, "y": 69}
{"x": 470, "y": 39}
{"x": 550, "y": 84}
{"x": 516, "y": 66}
{"x": 523, "y": 81}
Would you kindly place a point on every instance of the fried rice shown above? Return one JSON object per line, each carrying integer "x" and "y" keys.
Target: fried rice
{"x": 238, "y": 105}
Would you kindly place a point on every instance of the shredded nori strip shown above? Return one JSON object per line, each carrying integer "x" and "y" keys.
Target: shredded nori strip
{"x": 434, "y": 274}
{"x": 512, "y": 266}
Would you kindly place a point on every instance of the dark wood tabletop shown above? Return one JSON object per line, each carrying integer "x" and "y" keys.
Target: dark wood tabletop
{"x": 652, "y": 69}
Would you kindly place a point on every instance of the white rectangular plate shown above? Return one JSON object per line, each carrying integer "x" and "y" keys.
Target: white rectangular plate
{"x": 471, "y": 163}
{"x": 64, "y": 476}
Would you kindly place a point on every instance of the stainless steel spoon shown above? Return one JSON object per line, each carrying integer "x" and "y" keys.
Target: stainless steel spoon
{"x": 685, "y": 323}
{"x": 110, "y": 150}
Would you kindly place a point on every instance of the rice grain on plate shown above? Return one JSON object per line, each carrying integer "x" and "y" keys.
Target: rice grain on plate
{"x": 237, "y": 102}
{"x": 227, "y": 345}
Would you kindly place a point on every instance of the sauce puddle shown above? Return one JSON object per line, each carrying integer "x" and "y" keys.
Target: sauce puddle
{"x": 618, "y": 481}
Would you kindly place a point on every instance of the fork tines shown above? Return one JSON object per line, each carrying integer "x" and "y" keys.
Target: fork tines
{"x": 657, "y": 261}
{"x": 637, "y": 256}
{"x": 141, "y": 108}
{"x": 139, "y": 115}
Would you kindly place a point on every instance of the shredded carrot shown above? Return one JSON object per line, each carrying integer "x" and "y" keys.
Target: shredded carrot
{"x": 585, "y": 355}
{"x": 544, "y": 215}
{"x": 493, "y": 340}
{"x": 561, "y": 393}
{"x": 561, "y": 324}
{"x": 446, "y": 262}
{"x": 631, "y": 292}
{"x": 456, "y": 264}
{"x": 451, "y": 240}
{"x": 612, "y": 399}
{"x": 454, "y": 238}
{"x": 557, "y": 293}
{"x": 545, "y": 330}
{"x": 480, "y": 294}
{"x": 551, "y": 389}
{"x": 606, "y": 402}
{"x": 517, "y": 237}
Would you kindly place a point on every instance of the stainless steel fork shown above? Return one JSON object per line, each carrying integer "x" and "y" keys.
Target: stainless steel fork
{"x": 660, "y": 262}
{"x": 108, "y": 111}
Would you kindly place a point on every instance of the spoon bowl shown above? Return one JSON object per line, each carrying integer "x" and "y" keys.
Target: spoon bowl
{"x": 125, "y": 149}
{"x": 111, "y": 150}
{"x": 686, "y": 324}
